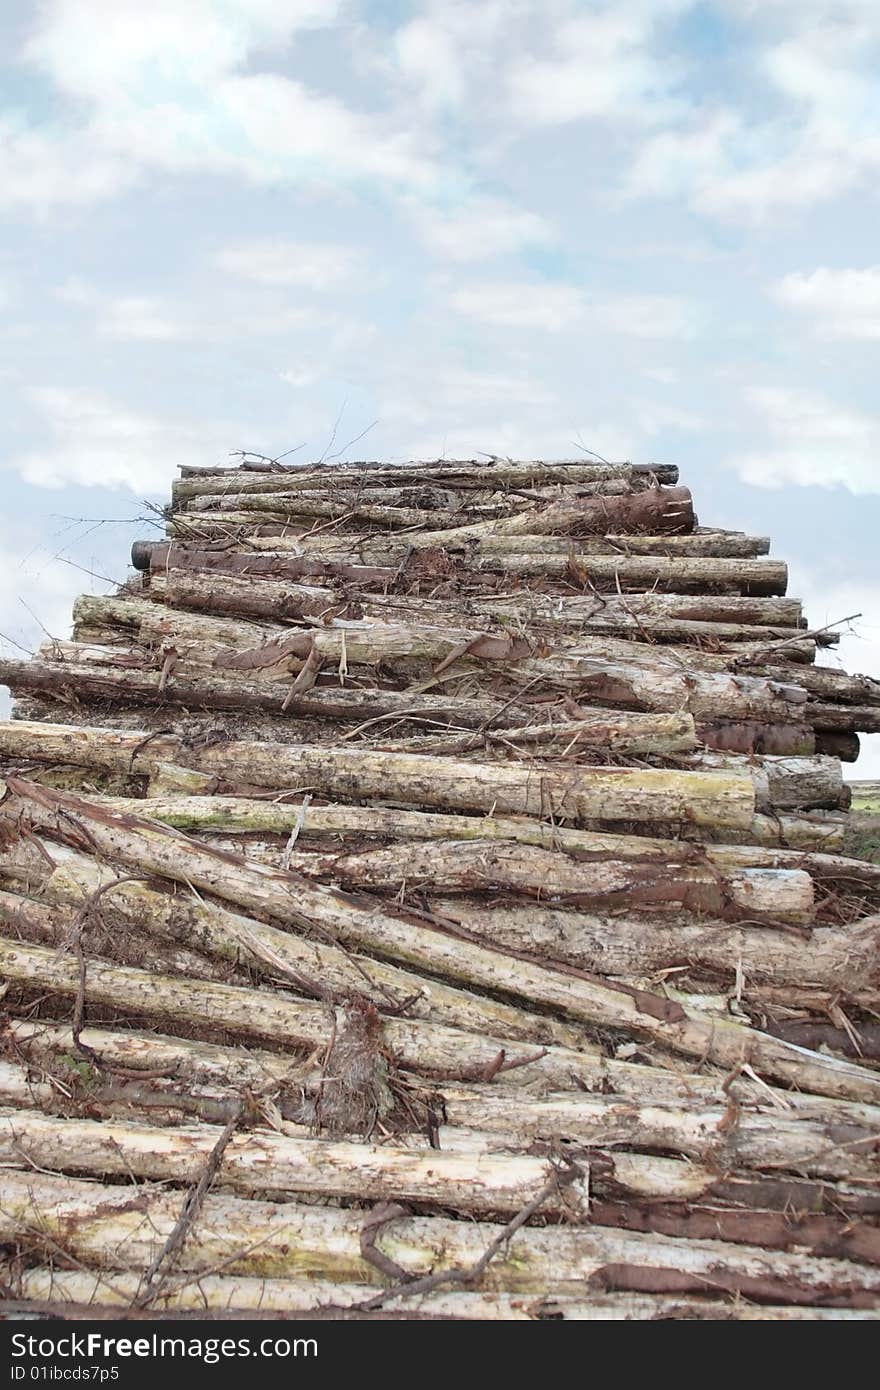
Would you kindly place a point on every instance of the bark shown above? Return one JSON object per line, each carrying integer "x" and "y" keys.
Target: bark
{"x": 110, "y": 1225}
{"x": 863, "y": 1042}
{"x": 629, "y": 945}
{"x": 411, "y": 939}
{"x": 264, "y": 1162}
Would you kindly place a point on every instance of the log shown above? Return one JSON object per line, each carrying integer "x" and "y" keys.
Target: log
{"x": 26, "y": 920}
{"x": 264, "y": 1162}
{"x": 581, "y": 793}
{"x": 428, "y": 1049}
{"x": 651, "y": 510}
{"x": 44, "y": 1287}
{"x": 636, "y": 572}
{"x": 773, "y": 1141}
{"x": 785, "y": 784}
{"x": 144, "y": 845}
{"x": 744, "y": 736}
{"x": 312, "y": 966}
{"x": 651, "y": 609}
{"x": 95, "y": 1222}
{"x": 469, "y": 473}
{"x": 468, "y": 866}
{"x": 618, "y": 945}
{"x": 211, "y": 1069}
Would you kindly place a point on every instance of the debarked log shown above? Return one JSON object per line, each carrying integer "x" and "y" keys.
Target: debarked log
{"x": 261, "y": 1161}
{"x": 101, "y": 1223}
{"x": 428, "y": 1049}
{"x": 47, "y": 1290}
{"x": 650, "y": 510}
{"x": 313, "y": 966}
{"x": 421, "y": 942}
{"x": 466, "y": 866}
{"x": 710, "y": 1136}
{"x": 719, "y": 798}
{"x": 626, "y": 944}
{"x": 480, "y": 473}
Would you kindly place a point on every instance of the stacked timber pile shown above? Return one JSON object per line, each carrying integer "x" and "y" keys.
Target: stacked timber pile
{"x": 422, "y": 896}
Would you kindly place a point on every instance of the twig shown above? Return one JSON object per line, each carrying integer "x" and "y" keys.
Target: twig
{"x": 189, "y": 1213}
{"x": 408, "y": 1286}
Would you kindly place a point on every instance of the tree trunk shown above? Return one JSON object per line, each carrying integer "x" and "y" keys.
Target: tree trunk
{"x": 96, "y": 1222}
{"x": 564, "y": 792}
{"x": 413, "y": 939}
{"x": 228, "y": 1295}
{"x": 632, "y": 946}
{"x": 263, "y": 1162}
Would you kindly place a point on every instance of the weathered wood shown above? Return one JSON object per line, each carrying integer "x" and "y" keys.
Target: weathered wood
{"x": 264, "y": 1162}
{"x": 634, "y": 572}
{"x": 651, "y": 510}
{"x": 428, "y": 1049}
{"x": 60, "y": 1289}
{"x": 97, "y": 1222}
{"x": 292, "y": 899}
{"x": 580, "y": 793}
{"x": 466, "y": 866}
{"x": 43, "y": 924}
{"x": 480, "y": 473}
{"x": 315, "y": 967}
{"x": 632, "y": 945}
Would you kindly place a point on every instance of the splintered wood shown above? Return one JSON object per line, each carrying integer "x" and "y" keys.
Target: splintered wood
{"x": 422, "y": 896}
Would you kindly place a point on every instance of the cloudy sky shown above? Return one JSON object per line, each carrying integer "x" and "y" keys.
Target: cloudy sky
{"x": 647, "y": 228}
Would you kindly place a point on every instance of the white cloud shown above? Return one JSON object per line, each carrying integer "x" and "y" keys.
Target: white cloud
{"x": 448, "y": 51}
{"x": 304, "y": 265}
{"x": 95, "y": 442}
{"x": 176, "y": 95}
{"x": 808, "y": 131}
{"x": 44, "y": 169}
{"x": 478, "y": 229}
{"x": 149, "y": 318}
{"x": 600, "y": 64}
{"x": 811, "y": 442}
{"x": 518, "y": 305}
{"x": 551, "y": 306}
{"x": 843, "y": 303}
{"x": 646, "y": 316}
{"x": 104, "y": 47}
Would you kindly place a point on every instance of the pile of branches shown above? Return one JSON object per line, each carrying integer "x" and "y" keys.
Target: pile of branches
{"x": 422, "y": 897}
